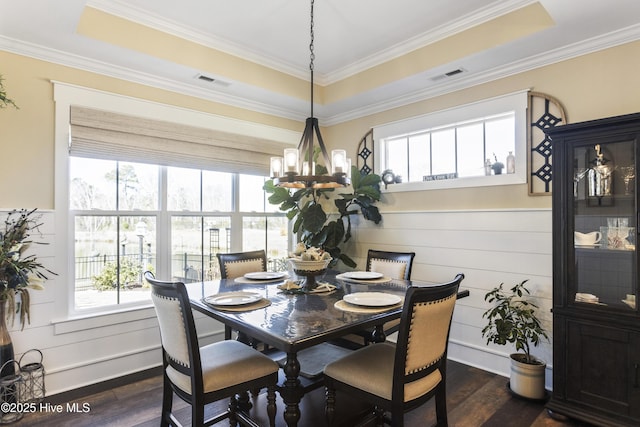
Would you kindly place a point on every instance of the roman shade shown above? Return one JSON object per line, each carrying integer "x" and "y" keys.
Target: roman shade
{"x": 113, "y": 136}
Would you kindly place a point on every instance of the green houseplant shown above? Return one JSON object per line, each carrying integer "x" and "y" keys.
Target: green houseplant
{"x": 512, "y": 319}
{"x": 5, "y": 101}
{"x": 311, "y": 211}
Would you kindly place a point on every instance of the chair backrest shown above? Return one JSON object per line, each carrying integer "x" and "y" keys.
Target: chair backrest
{"x": 239, "y": 263}
{"x": 396, "y": 265}
{"x": 423, "y": 337}
{"x": 180, "y": 346}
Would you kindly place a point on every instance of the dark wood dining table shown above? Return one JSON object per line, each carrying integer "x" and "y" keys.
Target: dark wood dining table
{"x": 293, "y": 322}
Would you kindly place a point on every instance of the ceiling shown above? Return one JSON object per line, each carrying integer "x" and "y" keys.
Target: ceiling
{"x": 370, "y": 55}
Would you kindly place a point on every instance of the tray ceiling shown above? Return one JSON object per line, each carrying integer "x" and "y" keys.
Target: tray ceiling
{"x": 371, "y": 55}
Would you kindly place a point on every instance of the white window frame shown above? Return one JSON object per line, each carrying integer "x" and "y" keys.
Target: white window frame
{"x": 516, "y": 102}
{"x": 65, "y": 318}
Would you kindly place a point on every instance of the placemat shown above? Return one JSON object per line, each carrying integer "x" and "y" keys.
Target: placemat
{"x": 245, "y": 281}
{"x": 345, "y": 306}
{"x": 247, "y": 307}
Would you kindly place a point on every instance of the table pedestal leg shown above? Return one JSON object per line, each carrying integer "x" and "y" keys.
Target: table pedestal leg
{"x": 378, "y": 334}
{"x": 291, "y": 390}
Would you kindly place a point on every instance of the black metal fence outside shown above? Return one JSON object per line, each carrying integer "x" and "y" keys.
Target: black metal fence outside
{"x": 185, "y": 267}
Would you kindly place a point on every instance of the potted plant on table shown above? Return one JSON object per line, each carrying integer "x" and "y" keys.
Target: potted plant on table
{"x": 311, "y": 212}
{"x": 513, "y": 320}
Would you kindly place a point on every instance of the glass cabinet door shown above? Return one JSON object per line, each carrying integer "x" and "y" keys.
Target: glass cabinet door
{"x": 604, "y": 225}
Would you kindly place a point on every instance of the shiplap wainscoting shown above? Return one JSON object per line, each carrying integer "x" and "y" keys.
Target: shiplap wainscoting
{"x": 490, "y": 247}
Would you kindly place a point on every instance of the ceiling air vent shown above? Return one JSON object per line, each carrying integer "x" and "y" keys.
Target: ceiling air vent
{"x": 206, "y": 78}
{"x": 211, "y": 80}
{"x": 454, "y": 72}
{"x": 448, "y": 74}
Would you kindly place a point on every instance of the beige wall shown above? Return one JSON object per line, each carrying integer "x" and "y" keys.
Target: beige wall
{"x": 602, "y": 84}
{"x": 27, "y": 134}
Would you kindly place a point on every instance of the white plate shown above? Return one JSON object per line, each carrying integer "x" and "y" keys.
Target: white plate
{"x": 233, "y": 298}
{"x": 372, "y": 299}
{"x": 383, "y": 279}
{"x": 362, "y": 275}
{"x": 265, "y": 275}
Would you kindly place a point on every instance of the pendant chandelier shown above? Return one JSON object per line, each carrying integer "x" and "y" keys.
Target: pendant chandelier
{"x": 297, "y": 168}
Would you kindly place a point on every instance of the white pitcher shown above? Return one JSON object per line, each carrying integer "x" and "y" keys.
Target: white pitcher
{"x": 585, "y": 239}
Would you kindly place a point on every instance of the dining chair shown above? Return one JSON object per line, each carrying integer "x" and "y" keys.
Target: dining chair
{"x": 399, "y": 377}
{"x": 237, "y": 264}
{"x": 202, "y": 375}
{"x": 396, "y": 265}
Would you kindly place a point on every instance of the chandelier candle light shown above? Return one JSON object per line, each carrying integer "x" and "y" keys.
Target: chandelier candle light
{"x": 297, "y": 168}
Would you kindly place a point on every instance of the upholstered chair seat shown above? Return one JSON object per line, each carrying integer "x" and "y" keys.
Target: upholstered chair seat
{"x": 371, "y": 370}
{"x": 225, "y": 364}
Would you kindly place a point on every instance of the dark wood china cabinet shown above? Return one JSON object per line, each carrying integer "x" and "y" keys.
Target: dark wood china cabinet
{"x": 596, "y": 322}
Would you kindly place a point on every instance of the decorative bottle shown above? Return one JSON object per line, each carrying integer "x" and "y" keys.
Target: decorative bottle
{"x": 511, "y": 163}
{"x": 487, "y": 167}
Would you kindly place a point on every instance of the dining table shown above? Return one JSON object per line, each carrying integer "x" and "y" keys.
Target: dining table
{"x": 259, "y": 307}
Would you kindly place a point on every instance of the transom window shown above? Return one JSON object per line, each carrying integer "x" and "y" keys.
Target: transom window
{"x": 458, "y": 150}
{"x": 461, "y": 147}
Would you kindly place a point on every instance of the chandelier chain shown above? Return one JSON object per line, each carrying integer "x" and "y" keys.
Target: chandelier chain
{"x": 311, "y": 47}
{"x": 312, "y": 55}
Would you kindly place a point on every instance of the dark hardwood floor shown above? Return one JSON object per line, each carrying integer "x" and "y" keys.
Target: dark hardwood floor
{"x": 475, "y": 398}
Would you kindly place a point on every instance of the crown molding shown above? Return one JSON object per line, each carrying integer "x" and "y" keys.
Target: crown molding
{"x": 110, "y": 70}
{"x": 434, "y": 35}
{"x": 616, "y": 38}
{"x": 297, "y": 110}
{"x": 126, "y": 11}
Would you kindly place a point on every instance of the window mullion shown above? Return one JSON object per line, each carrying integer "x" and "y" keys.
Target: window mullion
{"x": 455, "y": 148}
{"x": 163, "y": 230}
{"x": 430, "y": 153}
{"x": 236, "y": 217}
{"x": 484, "y": 140}
{"x": 202, "y": 264}
{"x": 408, "y": 160}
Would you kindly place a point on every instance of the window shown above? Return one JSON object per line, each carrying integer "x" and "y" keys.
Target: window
{"x": 457, "y": 147}
{"x": 187, "y": 165}
{"x": 460, "y": 150}
{"x": 122, "y": 210}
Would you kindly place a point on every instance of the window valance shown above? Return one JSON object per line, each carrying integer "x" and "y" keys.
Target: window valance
{"x": 114, "y": 136}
